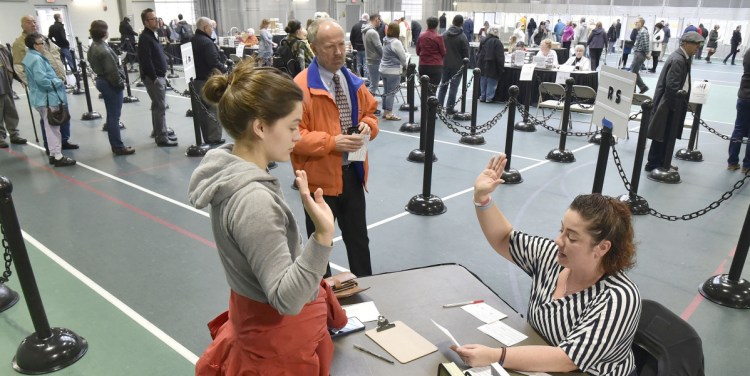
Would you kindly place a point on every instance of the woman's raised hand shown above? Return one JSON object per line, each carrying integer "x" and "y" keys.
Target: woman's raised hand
{"x": 317, "y": 209}
{"x": 490, "y": 178}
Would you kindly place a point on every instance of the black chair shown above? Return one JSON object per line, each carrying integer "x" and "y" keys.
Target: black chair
{"x": 665, "y": 344}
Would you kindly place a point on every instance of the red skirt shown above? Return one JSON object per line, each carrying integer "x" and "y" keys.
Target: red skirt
{"x": 252, "y": 338}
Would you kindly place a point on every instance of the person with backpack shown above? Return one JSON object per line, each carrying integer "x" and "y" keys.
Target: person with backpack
{"x": 184, "y": 30}
{"x": 293, "y": 55}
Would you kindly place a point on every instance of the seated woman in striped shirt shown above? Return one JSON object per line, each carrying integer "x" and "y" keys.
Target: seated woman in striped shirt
{"x": 581, "y": 301}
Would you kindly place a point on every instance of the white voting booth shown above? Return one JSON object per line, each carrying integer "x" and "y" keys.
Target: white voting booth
{"x": 613, "y": 99}
{"x": 188, "y": 64}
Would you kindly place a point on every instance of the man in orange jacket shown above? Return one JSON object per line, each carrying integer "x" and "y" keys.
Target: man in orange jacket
{"x": 338, "y": 114}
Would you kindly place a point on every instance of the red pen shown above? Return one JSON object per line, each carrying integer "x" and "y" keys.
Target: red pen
{"x": 451, "y": 305}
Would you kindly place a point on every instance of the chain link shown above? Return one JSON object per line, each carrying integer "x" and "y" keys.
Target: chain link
{"x": 396, "y": 90}
{"x": 8, "y": 258}
{"x": 672, "y": 218}
{"x": 203, "y": 106}
{"x": 543, "y": 123}
{"x": 479, "y": 129}
{"x": 460, "y": 72}
{"x": 714, "y": 131}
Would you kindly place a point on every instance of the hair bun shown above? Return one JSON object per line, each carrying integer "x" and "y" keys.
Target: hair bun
{"x": 215, "y": 88}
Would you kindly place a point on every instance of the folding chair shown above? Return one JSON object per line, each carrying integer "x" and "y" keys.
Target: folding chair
{"x": 556, "y": 91}
{"x": 582, "y": 94}
{"x": 664, "y": 344}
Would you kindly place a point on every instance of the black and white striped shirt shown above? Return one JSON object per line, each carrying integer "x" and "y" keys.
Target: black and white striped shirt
{"x": 595, "y": 327}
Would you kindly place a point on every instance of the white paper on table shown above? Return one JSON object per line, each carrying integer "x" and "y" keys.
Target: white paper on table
{"x": 503, "y": 333}
{"x": 527, "y": 72}
{"x": 534, "y": 373}
{"x": 365, "y": 312}
{"x": 360, "y": 154}
{"x": 484, "y": 312}
{"x": 563, "y": 74}
{"x": 240, "y": 50}
{"x": 446, "y": 333}
{"x": 480, "y": 371}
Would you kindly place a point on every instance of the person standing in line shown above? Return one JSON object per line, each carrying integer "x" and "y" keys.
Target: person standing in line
{"x": 457, "y": 48}
{"x": 530, "y": 28}
{"x": 127, "y": 38}
{"x": 431, "y": 50}
{"x": 627, "y": 47}
{"x": 657, "y": 40}
{"x": 374, "y": 52}
{"x": 266, "y": 45}
{"x": 742, "y": 122}
{"x": 618, "y": 29}
{"x": 46, "y": 90}
{"x": 358, "y": 44}
{"x": 712, "y": 43}
{"x": 667, "y": 37}
{"x": 110, "y": 81}
{"x": 57, "y": 35}
{"x": 153, "y": 70}
{"x": 8, "y": 112}
{"x": 597, "y": 42}
{"x": 491, "y": 61}
{"x": 416, "y": 31}
{"x": 338, "y": 112}
{"x": 469, "y": 29}
{"x": 704, "y": 33}
{"x": 735, "y": 44}
{"x": 207, "y": 61}
{"x": 612, "y": 37}
{"x": 393, "y": 64}
{"x": 641, "y": 53}
{"x": 675, "y": 76}
{"x": 443, "y": 23}
{"x": 184, "y": 29}
{"x": 582, "y": 34}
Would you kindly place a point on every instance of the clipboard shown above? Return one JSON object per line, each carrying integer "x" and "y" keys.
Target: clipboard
{"x": 401, "y": 341}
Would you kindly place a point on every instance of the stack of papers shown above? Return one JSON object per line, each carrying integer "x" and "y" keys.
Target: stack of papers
{"x": 503, "y": 333}
{"x": 484, "y": 312}
{"x": 365, "y": 312}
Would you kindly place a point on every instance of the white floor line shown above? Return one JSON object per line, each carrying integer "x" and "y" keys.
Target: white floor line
{"x": 460, "y": 145}
{"x": 158, "y": 333}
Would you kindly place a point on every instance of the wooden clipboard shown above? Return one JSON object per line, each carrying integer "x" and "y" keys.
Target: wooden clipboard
{"x": 402, "y": 342}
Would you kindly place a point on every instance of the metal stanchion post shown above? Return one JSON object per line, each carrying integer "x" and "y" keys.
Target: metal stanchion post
{"x": 463, "y": 115}
{"x": 473, "y": 138}
{"x": 525, "y": 125}
{"x": 511, "y": 175}
{"x": 729, "y": 289}
{"x": 426, "y": 203}
{"x": 197, "y": 150}
{"x": 48, "y": 349}
{"x": 639, "y": 205}
{"x": 601, "y": 161}
{"x": 561, "y": 154}
{"x": 417, "y": 155}
{"x": 91, "y": 114}
{"x": 410, "y": 126}
{"x": 665, "y": 173}
{"x": 129, "y": 98}
{"x": 692, "y": 154}
{"x": 77, "y": 90}
{"x": 171, "y": 68}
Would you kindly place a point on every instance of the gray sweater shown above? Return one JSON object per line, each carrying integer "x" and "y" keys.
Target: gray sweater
{"x": 256, "y": 234}
{"x": 373, "y": 47}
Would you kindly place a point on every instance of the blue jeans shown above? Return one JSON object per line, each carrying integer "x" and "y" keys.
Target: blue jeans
{"x": 113, "y": 104}
{"x": 741, "y": 129}
{"x": 487, "y": 88}
{"x": 447, "y": 74}
{"x": 362, "y": 64}
{"x": 65, "y": 52}
{"x": 390, "y": 83}
{"x": 638, "y": 59}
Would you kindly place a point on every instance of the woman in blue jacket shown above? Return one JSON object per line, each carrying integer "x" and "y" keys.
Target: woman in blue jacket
{"x": 45, "y": 89}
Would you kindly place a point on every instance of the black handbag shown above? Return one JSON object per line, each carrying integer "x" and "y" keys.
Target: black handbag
{"x": 58, "y": 115}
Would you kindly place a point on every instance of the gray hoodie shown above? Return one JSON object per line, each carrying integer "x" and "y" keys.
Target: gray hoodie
{"x": 373, "y": 47}
{"x": 256, "y": 234}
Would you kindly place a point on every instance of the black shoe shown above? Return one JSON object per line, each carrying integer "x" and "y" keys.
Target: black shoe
{"x": 125, "y": 150}
{"x": 69, "y": 146}
{"x": 450, "y": 112}
{"x": 734, "y": 64}
{"x": 18, "y": 140}
{"x": 64, "y": 162}
{"x": 3, "y": 144}
{"x": 218, "y": 142}
{"x": 644, "y": 90}
{"x": 166, "y": 142}
{"x": 649, "y": 168}
{"x": 170, "y": 132}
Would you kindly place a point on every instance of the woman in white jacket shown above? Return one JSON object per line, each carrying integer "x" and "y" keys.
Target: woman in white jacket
{"x": 657, "y": 39}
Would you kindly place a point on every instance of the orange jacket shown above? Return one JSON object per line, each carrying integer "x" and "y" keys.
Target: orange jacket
{"x": 316, "y": 151}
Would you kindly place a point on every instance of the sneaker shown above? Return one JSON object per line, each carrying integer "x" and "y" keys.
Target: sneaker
{"x": 64, "y": 162}
{"x": 69, "y": 146}
{"x": 733, "y": 167}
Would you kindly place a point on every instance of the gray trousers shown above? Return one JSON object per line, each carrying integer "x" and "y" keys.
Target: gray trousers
{"x": 638, "y": 59}
{"x": 157, "y": 91}
{"x": 8, "y": 117}
{"x": 206, "y": 116}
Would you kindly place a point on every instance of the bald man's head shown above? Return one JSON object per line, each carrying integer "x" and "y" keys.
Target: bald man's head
{"x": 28, "y": 24}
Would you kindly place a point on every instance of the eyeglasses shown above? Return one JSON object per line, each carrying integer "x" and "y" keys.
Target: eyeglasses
{"x": 39, "y": 44}
{"x": 151, "y": 19}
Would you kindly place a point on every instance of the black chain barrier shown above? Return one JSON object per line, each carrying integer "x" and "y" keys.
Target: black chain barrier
{"x": 458, "y": 74}
{"x": 672, "y": 218}
{"x": 376, "y": 92}
{"x": 714, "y": 131}
{"x": 8, "y": 258}
{"x": 480, "y": 129}
{"x": 543, "y": 123}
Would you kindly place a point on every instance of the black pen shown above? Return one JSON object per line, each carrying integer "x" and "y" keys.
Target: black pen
{"x": 364, "y": 350}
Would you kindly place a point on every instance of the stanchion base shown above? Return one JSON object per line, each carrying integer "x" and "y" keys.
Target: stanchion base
{"x": 512, "y": 176}
{"x": 130, "y": 99}
{"x": 694, "y": 155}
{"x": 562, "y": 156}
{"x": 196, "y": 151}
{"x": 721, "y": 290}
{"x": 638, "y": 206}
{"x": 472, "y": 140}
{"x": 410, "y": 127}
{"x": 406, "y": 107}
{"x": 189, "y": 112}
{"x": 140, "y": 84}
{"x": 524, "y": 126}
{"x": 462, "y": 116}
{"x": 417, "y": 156}
{"x": 421, "y": 205}
{"x": 173, "y": 75}
{"x": 77, "y": 91}
{"x": 664, "y": 176}
{"x": 93, "y": 115}
{"x": 8, "y": 297}
{"x": 36, "y": 356}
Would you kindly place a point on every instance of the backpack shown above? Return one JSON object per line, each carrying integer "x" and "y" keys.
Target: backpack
{"x": 185, "y": 31}
{"x": 285, "y": 59}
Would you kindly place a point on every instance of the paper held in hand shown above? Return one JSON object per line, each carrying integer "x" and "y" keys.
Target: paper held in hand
{"x": 361, "y": 154}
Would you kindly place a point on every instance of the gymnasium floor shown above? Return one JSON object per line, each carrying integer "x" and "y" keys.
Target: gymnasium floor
{"x": 123, "y": 260}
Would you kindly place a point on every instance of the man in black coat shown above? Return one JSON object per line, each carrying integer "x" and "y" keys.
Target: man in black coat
{"x": 358, "y": 44}
{"x": 456, "y": 49}
{"x": 442, "y": 22}
{"x": 127, "y": 40}
{"x": 57, "y": 35}
{"x": 668, "y": 116}
{"x": 735, "y": 43}
{"x": 416, "y": 30}
{"x": 207, "y": 61}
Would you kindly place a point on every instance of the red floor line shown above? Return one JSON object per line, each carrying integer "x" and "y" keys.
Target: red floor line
{"x": 119, "y": 202}
{"x": 139, "y": 170}
{"x": 698, "y": 299}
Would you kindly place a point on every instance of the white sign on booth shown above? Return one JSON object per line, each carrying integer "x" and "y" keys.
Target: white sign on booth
{"x": 699, "y": 92}
{"x": 614, "y": 97}
{"x": 563, "y": 73}
{"x": 188, "y": 64}
{"x": 527, "y": 72}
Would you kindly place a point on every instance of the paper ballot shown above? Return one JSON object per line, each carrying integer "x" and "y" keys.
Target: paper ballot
{"x": 361, "y": 154}
{"x": 446, "y": 333}
{"x": 503, "y": 333}
{"x": 484, "y": 312}
{"x": 365, "y": 312}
